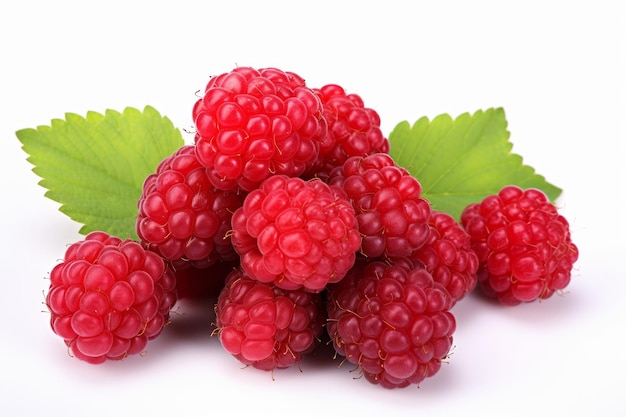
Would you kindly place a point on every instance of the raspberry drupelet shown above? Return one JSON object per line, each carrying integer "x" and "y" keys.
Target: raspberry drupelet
{"x": 523, "y": 244}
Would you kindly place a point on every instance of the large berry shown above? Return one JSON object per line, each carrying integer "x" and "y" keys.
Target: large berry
{"x": 353, "y": 130}
{"x": 108, "y": 297}
{"x": 391, "y": 213}
{"x": 254, "y": 123}
{"x": 182, "y": 216}
{"x": 296, "y": 233}
{"x": 265, "y": 326}
{"x": 392, "y": 320}
{"x": 448, "y": 255}
{"x": 523, "y": 244}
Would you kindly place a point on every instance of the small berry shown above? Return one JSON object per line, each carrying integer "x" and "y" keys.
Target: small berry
{"x": 523, "y": 245}
{"x": 392, "y": 215}
{"x": 448, "y": 255}
{"x": 353, "y": 130}
{"x": 108, "y": 297}
{"x": 255, "y": 123}
{"x": 182, "y": 216}
{"x": 267, "y": 327}
{"x": 392, "y": 320}
{"x": 296, "y": 233}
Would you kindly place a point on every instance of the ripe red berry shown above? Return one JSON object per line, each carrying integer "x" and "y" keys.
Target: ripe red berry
{"x": 108, "y": 297}
{"x": 296, "y": 233}
{"x": 353, "y": 130}
{"x": 392, "y": 215}
{"x": 265, "y": 326}
{"x": 392, "y": 320}
{"x": 182, "y": 216}
{"x": 254, "y": 123}
{"x": 523, "y": 244}
{"x": 448, "y": 255}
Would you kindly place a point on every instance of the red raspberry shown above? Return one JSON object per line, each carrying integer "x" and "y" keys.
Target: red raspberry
{"x": 194, "y": 283}
{"x": 392, "y": 215}
{"x": 392, "y": 320}
{"x": 353, "y": 130}
{"x": 296, "y": 233}
{"x": 108, "y": 297}
{"x": 523, "y": 244}
{"x": 253, "y": 123}
{"x": 448, "y": 255}
{"x": 265, "y": 326}
{"x": 182, "y": 216}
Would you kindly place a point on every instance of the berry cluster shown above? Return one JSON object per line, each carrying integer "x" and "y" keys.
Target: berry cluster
{"x": 289, "y": 212}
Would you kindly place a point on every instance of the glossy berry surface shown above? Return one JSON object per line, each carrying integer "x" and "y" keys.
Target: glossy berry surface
{"x": 109, "y": 297}
{"x": 448, "y": 255}
{"x": 392, "y": 320}
{"x": 265, "y": 326}
{"x": 392, "y": 215}
{"x": 523, "y": 244}
{"x": 255, "y": 123}
{"x": 182, "y": 216}
{"x": 296, "y": 233}
{"x": 353, "y": 130}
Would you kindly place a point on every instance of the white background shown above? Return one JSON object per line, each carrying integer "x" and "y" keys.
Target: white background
{"x": 557, "y": 68}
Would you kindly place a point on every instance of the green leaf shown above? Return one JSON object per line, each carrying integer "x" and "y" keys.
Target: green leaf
{"x": 95, "y": 166}
{"x": 460, "y": 161}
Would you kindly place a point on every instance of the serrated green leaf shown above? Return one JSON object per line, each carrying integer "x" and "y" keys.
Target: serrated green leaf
{"x": 95, "y": 166}
{"x": 460, "y": 161}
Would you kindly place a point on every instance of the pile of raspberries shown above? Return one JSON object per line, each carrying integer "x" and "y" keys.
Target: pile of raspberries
{"x": 289, "y": 211}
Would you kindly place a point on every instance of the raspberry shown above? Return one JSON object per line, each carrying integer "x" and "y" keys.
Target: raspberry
{"x": 296, "y": 233}
{"x": 182, "y": 216}
{"x": 392, "y": 216}
{"x": 265, "y": 326}
{"x": 448, "y": 255}
{"x": 523, "y": 245}
{"x": 254, "y": 123}
{"x": 108, "y": 297}
{"x": 392, "y": 320}
{"x": 194, "y": 283}
{"x": 353, "y": 130}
